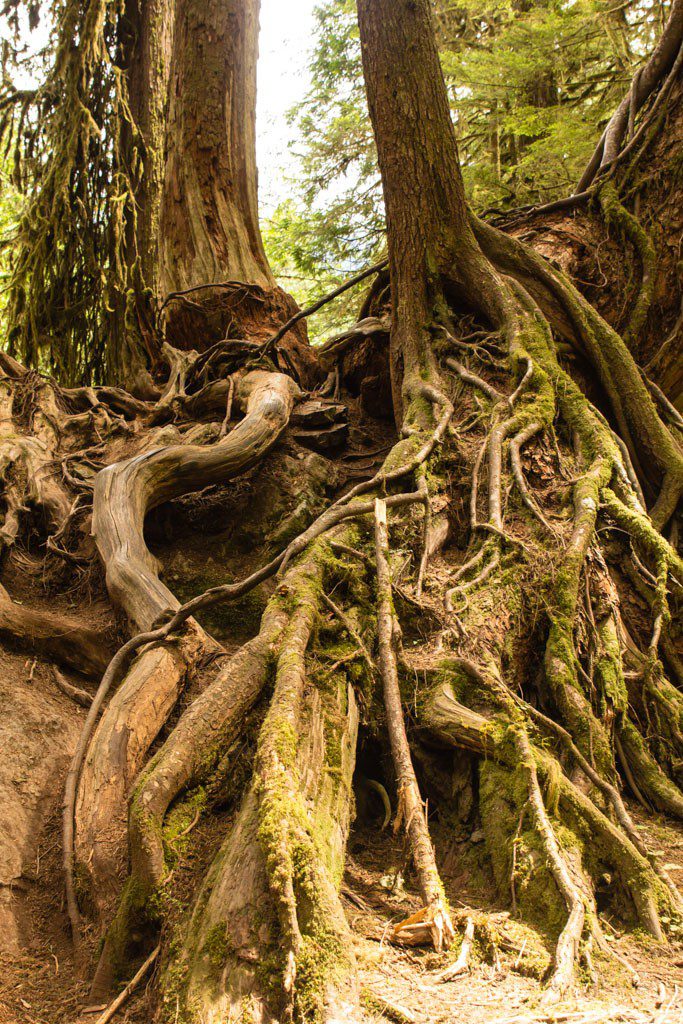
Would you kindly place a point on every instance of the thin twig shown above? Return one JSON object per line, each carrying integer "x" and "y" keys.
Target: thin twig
{"x": 129, "y": 989}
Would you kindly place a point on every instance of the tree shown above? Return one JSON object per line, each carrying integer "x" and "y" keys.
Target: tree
{"x": 209, "y": 795}
{"x": 529, "y": 85}
{"x": 76, "y": 289}
{"x": 439, "y": 252}
{"x": 129, "y": 202}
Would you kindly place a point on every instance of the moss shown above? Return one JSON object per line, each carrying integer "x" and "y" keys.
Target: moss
{"x": 503, "y": 794}
{"x": 215, "y": 947}
{"x": 134, "y": 914}
{"x": 378, "y": 1007}
{"x": 175, "y": 980}
{"x": 629, "y": 228}
{"x": 609, "y": 676}
{"x": 179, "y": 820}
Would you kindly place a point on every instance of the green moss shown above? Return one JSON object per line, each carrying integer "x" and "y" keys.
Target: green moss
{"x": 609, "y": 676}
{"x": 378, "y": 1007}
{"x": 215, "y": 947}
{"x": 629, "y": 229}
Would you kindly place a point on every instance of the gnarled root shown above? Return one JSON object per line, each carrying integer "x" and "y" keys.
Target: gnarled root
{"x": 123, "y": 494}
{"x": 291, "y": 951}
{"x": 187, "y": 759}
{"x": 451, "y": 721}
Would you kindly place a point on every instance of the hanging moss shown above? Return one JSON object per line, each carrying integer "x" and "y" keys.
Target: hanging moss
{"x": 72, "y": 273}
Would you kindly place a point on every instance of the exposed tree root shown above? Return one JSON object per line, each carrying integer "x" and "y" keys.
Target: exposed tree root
{"x": 265, "y": 934}
{"x": 289, "y": 839}
{"x": 434, "y": 920}
{"x": 53, "y": 636}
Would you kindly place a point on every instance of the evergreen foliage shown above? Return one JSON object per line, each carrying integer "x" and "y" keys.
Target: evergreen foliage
{"x": 531, "y": 82}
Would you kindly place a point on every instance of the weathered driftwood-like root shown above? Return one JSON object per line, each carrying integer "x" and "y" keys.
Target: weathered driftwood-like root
{"x": 126, "y": 491}
{"x": 53, "y": 636}
{"x": 123, "y": 494}
{"x": 433, "y": 922}
{"x": 186, "y": 760}
{"x": 118, "y": 751}
{"x": 27, "y": 469}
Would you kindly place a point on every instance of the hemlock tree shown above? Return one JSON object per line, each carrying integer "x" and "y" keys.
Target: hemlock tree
{"x": 528, "y": 503}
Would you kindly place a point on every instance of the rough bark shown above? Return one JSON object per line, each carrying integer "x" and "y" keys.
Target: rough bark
{"x": 147, "y": 30}
{"x": 429, "y": 238}
{"x": 209, "y": 217}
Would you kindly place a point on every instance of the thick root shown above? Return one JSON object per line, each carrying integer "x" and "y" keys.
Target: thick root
{"x": 123, "y": 494}
{"x": 290, "y": 953}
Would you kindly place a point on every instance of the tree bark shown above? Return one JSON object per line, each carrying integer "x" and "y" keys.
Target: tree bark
{"x": 209, "y": 214}
{"x": 148, "y": 27}
{"x": 428, "y": 232}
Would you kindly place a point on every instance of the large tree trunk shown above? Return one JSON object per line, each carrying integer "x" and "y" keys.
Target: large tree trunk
{"x": 148, "y": 31}
{"x": 209, "y": 226}
{"x": 209, "y": 217}
{"x": 428, "y": 232}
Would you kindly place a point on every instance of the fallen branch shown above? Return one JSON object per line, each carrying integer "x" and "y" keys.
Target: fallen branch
{"x": 129, "y": 989}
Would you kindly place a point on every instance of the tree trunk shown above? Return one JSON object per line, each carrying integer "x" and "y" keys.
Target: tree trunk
{"x": 148, "y": 29}
{"x": 429, "y": 236}
{"x": 209, "y": 216}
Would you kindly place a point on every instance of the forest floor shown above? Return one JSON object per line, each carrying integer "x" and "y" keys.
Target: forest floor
{"x": 41, "y": 984}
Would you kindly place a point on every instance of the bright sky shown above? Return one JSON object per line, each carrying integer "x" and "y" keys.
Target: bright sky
{"x": 284, "y": 43}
